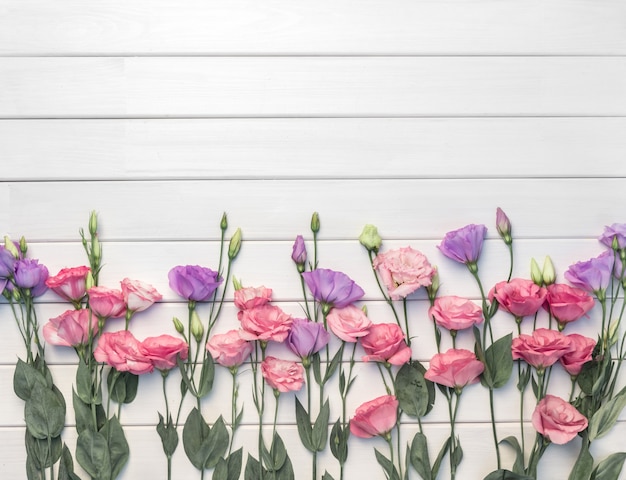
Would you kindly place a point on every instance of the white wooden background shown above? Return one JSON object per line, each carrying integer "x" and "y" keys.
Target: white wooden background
{"x": 417, "y": 116}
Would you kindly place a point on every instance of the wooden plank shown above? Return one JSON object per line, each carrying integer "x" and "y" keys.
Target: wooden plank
{"x": 312, "y": 86}
{"x": 312, "y": 148}
{"x": 280, "y": 209}
{"x": 157, "y": 27}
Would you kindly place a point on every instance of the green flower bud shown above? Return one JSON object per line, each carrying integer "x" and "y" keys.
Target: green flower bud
{"x": 432, "y": 289}
{"x": 23, "y": 246}
{"x": 548, "y": 274}
{"x": 237, "y": 284}
{"x": 178, "y": 325}
{"x": 370, "y": 238}
{"x": 197, "y": 329}
{"x": 315, "y": 222}
{"x": 89, "y": 281}
{"x": 235, "y": 244}
{"x": 17, "y": 296}
{"x": 96, "y": 250}
{"x": 10, "y": 246}
{"x": 224, "y": 222}
{"x": 364, "y": 308}
{"x": 535, "y": 272}
{"x": 93, "y": 223}
{"x": 613, "y": 333}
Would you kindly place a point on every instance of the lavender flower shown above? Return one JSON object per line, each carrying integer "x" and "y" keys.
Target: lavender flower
{"x": 615, "y": 233}
{"x": 592, "y": 275}
{"x": 7, "y": 263}
{"x": 306, "y": 338}
{"x": 194, "y": 282}
{"x": 298, "y": 254}
{"x": 464, "y": 245}
{"x": 331, "y": 288}
{"x": 503, "y": 226}
{"x": 30, "y": 274}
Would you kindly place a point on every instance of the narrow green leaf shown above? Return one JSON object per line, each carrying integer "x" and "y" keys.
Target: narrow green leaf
{"x": 25, "y": 378}
{"x": 584, "y": 464}
{"x": 117, "y": 445}
{"x": 234, "y": 463}
{"x": 518, "y": 465}
{"x": 207, "y": 374}
{"x": 457, "y": 454}
{"x": 334, "y": 363}
{"x": 444, "y": 449}
{"x": 66, "y": 466}
{"x": 44, "y": 414}
{"x": 609, "y": 468}
{"x": 185, "y": 385}
{"x": 92, "y": 453}
{"x": 304, "y": 426}
{"x": 506, "y": 475}
{"x": 317, "y": 371}
{"x": 217, "y": 443}
{"x": 83, "y": 383}
{"x": 418, "y": 456}
{"x": 389, "y": 468}
{"x": 327, "y": 476}
{"x": 320, "y": 429}
{"x": 606, "y": 416}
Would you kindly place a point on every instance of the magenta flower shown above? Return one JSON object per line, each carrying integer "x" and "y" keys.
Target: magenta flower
{"x": 464, "y": 245}
{"x": 306, "y": 338}
{"x": 29, "y": 273}
{"x": 298, "y": 254}
{"x": 194, "y": 282}
{"x": 616, "y": 232}
{"x": 331, "y": 288}
{"x": 592, "y": 275}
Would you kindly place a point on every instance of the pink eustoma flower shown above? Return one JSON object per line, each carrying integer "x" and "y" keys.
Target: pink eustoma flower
{"x": 348, "y": 323}
{"x": 71, "y": 328}
{"x": 385, "y": 343}
{"x": 376, "y": 417}
{"x": 138, "y": 295}
{"x": 581, "y": 353}
{"x": 229, "y": 349}
{"x": 106, "y": 302}
{"x": 455, "y": 313}
{"x": 265, "y": 323}
{"x": 454, "y": 368}
{"x": 282, "y": 375}
{"x": 69, "y": 283}
{"x": 403, "y": 271}
{"x": 252, "y": 297}
{"x": 519, "y": 296}
{"x": 122, "y": 351}
{"x": 557, "y": 420}
{"x": 163, "y": 351}
{"x": 567, "y": 303}
{"x": 542, "y": 348}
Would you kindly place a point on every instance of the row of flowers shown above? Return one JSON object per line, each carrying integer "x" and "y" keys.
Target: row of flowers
{"x": 114, "y": 360}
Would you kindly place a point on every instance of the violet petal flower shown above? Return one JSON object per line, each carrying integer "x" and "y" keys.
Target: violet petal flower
{"x": 306, "y": 338}
{"x": 616, "y": 232}
{"x": 7, "y": 263}
{"x": 464, "y": 245}
{"x": 194, "y": 282}
{"x": 592, "y": 275}
{"x": 29, "y": 273}
{"x": 298, "y": 254}
{"x": 334, "y": 289}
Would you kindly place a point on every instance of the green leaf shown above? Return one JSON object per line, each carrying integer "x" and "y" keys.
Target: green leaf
{"x": 415, "y": 394}
{"x": 221, "y": 470}
{"x": 418, "y": 455}
{"x": 234, "y": 463}
{"x": 334, "y": 363}
{"x": 584, "y": 463}
{"x": 83, "y": 383}
{"x": 506, "y": 475}
{"x": 327, "y": 476}
{"x": 275, "y": 458}
{"x": 44, "y": 413}
{"x": 92, "y": 453}
{"x": 317, "y": 371}
{"x": 606, "y": 416}
{"x": 185, "y": 383}
{"x": 254, "y": 469}
{"x": 389, "y": 468}
{"x": 498, "y": 362}
{"x": 320, "y": 429}
{"x": 217, "y": 442}
{"x": 286, "y": 471}
{"x": 339, "y": 442}
{"x": 609, "y": 468}
{"x": 32, "y": 471}
{"x": 122, "y": 386}
{"x": 25, "y": 378}
{"x": 117, "y": 444}
{"x": 518, "y": 465}
{"x": 305, "y": 430}
{"x": 457, "y": 454}
{"x": 444, "y": 449}
{"x": 168, "y": 434}
{"x": 195, "y": 433}
{"x": 42, "y": 455}
{"x": 66, "y": 466}
{"x": 207, "y": 374}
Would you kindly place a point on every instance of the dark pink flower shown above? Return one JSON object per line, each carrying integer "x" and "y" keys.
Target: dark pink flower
{"x": 385, "y": 343}
{"x": 122, "y": 351}
{"x": 69, "y": 283}
{"x": 71, "y": 328}
{"x": 376, "y": 417}
{"x": 581, "y": 353}
{"x": 566, "y": 303}
{"x": 163, "y": 351}
{"x": 519, "y": 296}
{"x": 106, "y": 302}
{"x": 541, "y": 349}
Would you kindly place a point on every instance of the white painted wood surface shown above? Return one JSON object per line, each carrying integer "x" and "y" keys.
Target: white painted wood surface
{"x": 417, "y": 116}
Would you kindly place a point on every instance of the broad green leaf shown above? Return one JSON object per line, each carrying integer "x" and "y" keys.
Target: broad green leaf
{"x": 339, "y": 442}
{"x": 584, "y": 463}
{"x": 327, "y": 476}
{"x": 253, "y": 469}
{"x": 415, "y": 394}
{"x": 444, "y": 449}
{"x": 44, "y": 414}
{"x": 66, "y": 466}
{"x": 609, "y": 468}
{"x": 606, "y": 416}
{"x": 457, "y": 454}
{"x": 418, "y": 456}
{"x": 518, "y": 465}
{"x": 217, "y": 442}
{"x": 506, "y": 475}
{"x": 32, "y": 471}
{"x": 220, "y": 472}
{"x": 195, "y": 433}
{"x": 234, "y": 463}
{"x": 320, "y": 429}
{"x": 42, "y": 454}
{"x": 389, "y": 468}
{"x": 498, "y": 362}
{"x": 92, "y": 453}
{"x": 83, "y": 383}
{"x": 305, "y": 430}
{"x": 275, "y": 458}
{"x": 25, "y": 378}
{"x": 117, "y": 444}
{"x": 168, "y": 434}
{"x": 122, "y": 386}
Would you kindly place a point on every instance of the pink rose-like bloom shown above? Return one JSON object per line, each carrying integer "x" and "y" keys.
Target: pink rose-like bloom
{"x": 520, "y": 297}
{"x": 566, "y": 303}
{"x": 581, "y": 353}
{"x": 464, "y": 245}
{"x": 71, "y": 328}
{"x": 541, "y": 349}
{"x": 403, "y": 271}
{"x": 348, "y": 323}
{"x": 122, "y": 351}
{"x": 267, "y": 322}
{"x": 376, "y": 417}
{"x": 229, "y": 349}
{"x": 385, "y": 343}
{"x": 106, "y": 302}
{"x": 455, "y": 313}
{"x": 454, "y": 368}
{"x": 139, "y": 295}
{"x": 557, "y": 420}
{"x": 282, "y": 375}
{"x": 306, "y": 337}
{"x": 252, "y": 297}
{"x": 333, "y": 289}
{"x": 69, "y": 283}
{"x": 163, "y": 350}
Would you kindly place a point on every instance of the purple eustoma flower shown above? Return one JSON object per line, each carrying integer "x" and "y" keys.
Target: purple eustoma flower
{"x": 298, "y": 254}
{"x": 30, "y": 274}
{"x": 331, "y": 288}
{"x": 194, "y": 282}
{"x": 306, "y": 338}
{"x": 593, "y": 275}
{"x": 7, "y": 263}
{"x": 616, "y": 232}
{"x": 464, "y": 245}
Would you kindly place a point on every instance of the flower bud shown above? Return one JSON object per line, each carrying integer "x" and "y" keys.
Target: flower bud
{"x": 93, "y": 223}
{"x": 298, "y": 253}
{"x": 224, "y": 222}
{"x": 89, "y": 281}
{"x": 197, "y": 329}
{"x": 178, "y": 325}
{"x": 364, "y": 308}
{"x": 503, "y": 226}
{"x": 16, "y": 295}
{"x": 10, "y": 246}
{"x": 23, "y": 246}
{"x": 548, "y": 274}
{"x": 612, "y": 333}
{"x": 237, "y": 284}
{"x": 432, "y": 289}
{"x": 235, "y": 244}
{"x": 535, "y": 272}
{"x": 96, "y": 251}
{"x": 370, "y": 238}
{"x": 315, "y": 222}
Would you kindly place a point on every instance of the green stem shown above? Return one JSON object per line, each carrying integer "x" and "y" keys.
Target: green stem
{"x": 382, "y": 290}
{"x": 493, "y": 428}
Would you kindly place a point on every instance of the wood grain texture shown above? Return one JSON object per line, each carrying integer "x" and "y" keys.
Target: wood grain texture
{"x": 311, "y": 86}
{"x": 281, "y": 27}
{"x": 323, "y": 148}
